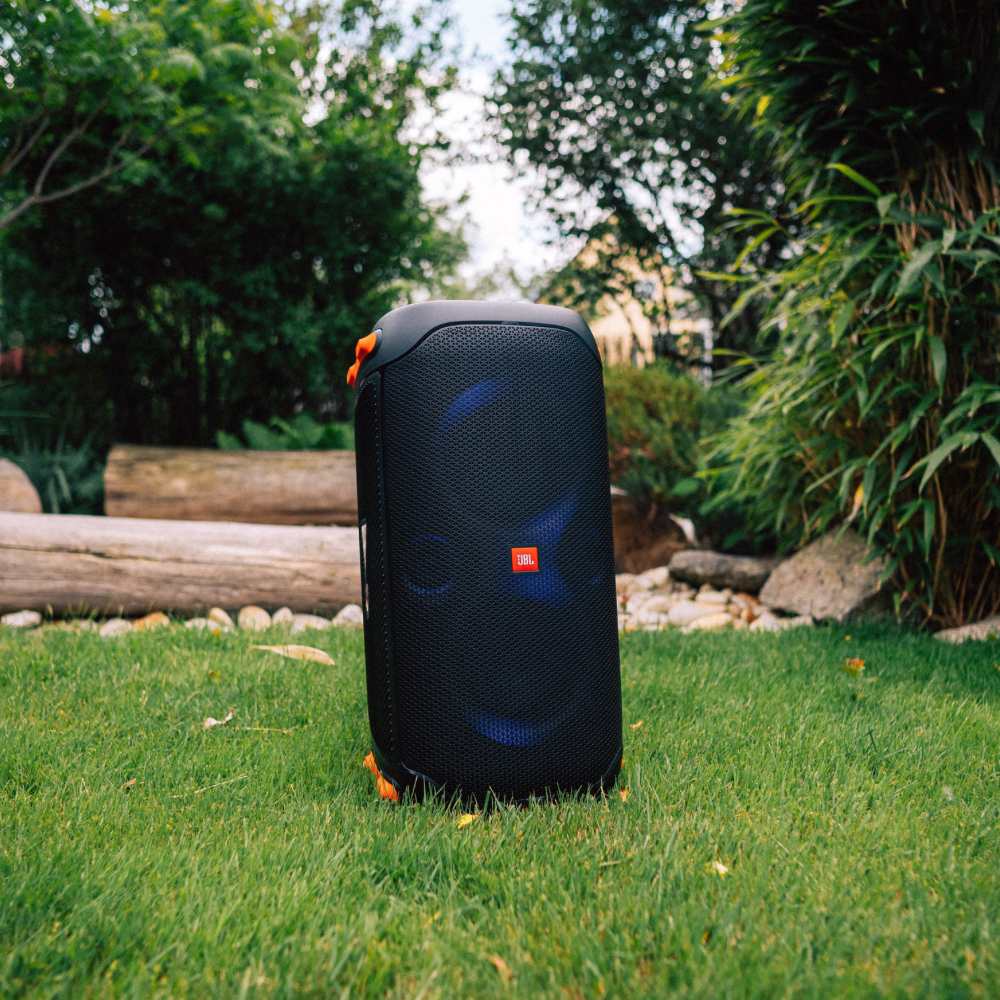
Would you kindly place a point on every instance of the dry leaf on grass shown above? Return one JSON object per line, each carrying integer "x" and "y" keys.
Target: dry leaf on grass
{"x": 720, "y": 868}
{"x": 129, "y": 783}
{"x": 467, "y": 819}
{"x": 623, "y": 792}
{"x": 300, "y": 653}
{"x": 502, "y": 968}
{"x": 210, "y": 722}
{"x": 636, "y": 725}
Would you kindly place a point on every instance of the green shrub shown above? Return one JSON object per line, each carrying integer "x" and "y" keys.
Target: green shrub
{"x": 302, "y": 433}
{"x": 661, "y": 428}
{"x": 653, "y": 420}
{"x": 880, "y": 406}
{"x": 67, "y": 471}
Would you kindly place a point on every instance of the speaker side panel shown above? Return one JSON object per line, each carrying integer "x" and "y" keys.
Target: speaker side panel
{"x": 374, "y": 569}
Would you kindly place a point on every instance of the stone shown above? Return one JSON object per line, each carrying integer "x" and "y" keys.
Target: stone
{"x": 827, "y": 580}
{"x": 219, "y": 616}
{"x": 646, "y": 617}
{"x": 988, "y": 628}
{"x": 714, "y": 597}
{"x": 283, "y": 616}
{"x": 717, "y": 620}
{"x": 700, "y": 566}
{"x": 82, "y": 625}
{"x": 253, "y": 618}
{"x": 21, "y": 619}
{"x": 654, "y": 578}
{"x": 156, "y": 620}
{"x": 17, "y": 494}
{"x": 687, "y": 611}
{"x": 769, "y": 622}
{"x": 115, "y": 627}
{"x": 302, "y": 622}
{"x": 624, "y": 582}
{"x": 657, "y": 603}
{"x": 198, "y": 623}
{"x": 349, "y": 614}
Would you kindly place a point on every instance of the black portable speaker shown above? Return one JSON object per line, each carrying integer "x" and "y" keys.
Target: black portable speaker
{"x": 487, "y": 558}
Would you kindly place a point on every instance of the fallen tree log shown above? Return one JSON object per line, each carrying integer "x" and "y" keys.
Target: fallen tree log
{"x": 77, "y": 564}
{"x": 254, "y": 487}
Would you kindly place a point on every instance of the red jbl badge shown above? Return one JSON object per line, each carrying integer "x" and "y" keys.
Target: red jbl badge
{"x": 524, "y": 560}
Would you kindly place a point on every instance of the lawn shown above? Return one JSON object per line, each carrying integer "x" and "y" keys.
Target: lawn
{"x": 859, "y": 838}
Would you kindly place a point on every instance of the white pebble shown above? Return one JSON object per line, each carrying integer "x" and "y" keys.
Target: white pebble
{"x": 21, "y": 619}
{"x": 302, "y": 622}
{"x": 220, "y": 616}
{"x": 253, "y": 618}
{"x": 283, "y": 616}
{"x": 349, "y": 614}
{"x": 114, "y": 627}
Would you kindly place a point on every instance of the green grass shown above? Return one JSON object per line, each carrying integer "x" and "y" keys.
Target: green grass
{"x": 255, "y": 860}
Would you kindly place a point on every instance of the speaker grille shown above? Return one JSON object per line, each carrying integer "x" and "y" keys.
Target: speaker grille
{"x": 494, "y": 437}
{"x": 370, "y": 510}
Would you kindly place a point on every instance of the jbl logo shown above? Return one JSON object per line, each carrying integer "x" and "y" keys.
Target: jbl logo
{"x": 524, "y": 560}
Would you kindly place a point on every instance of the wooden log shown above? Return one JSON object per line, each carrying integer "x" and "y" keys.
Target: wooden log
{"x": 255, "y": 487}
{"x": 75, "y": 564}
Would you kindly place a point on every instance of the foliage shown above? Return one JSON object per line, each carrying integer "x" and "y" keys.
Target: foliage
{"x": 69, "y": 477}
{"x": 880, "y": 406}
{"x": 302, "y": 433}
{"x": 611, "y": 101}
{"x": 229, "y": 277}
{"x": 859, "y": 837}
{"x": 90, "y": 91}
{"x": 661, "y": 429}
{"x": 653, "y": 423}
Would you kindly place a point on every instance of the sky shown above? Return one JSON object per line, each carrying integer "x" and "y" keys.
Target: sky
{"x": 502, "y": 226}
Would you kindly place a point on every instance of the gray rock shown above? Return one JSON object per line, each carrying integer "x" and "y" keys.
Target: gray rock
{"x": 736, "y": 572}
{"x": 17, "y": 495}
{"x": 988, "y": 628}
{"x": 829, "y": 579}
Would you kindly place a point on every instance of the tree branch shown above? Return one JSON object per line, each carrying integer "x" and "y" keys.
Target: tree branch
{"x": 71, "y": 137}
{"x": 17, "y": 153}
{"x": 109, "y": 170}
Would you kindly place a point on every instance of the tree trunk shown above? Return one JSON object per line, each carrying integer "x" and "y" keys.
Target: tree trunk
{"x": 258, "y": 487}
{"x": 79, "y": 564}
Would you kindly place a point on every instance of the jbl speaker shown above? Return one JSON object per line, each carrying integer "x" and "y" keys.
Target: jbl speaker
{"x": 487, "y": 557}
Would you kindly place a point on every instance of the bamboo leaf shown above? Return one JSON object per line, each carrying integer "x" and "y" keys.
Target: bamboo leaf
{"x": 994, "y": 446}
{"x": 941, "y": 452}
{"x": 841, "y": 320}
{"x": 939, "y": 359}
{"x": 853, "y": 175}
{"x": 929, "y": 519}
{"x": 917, "y": 262}
{"x": 884, "y": 203}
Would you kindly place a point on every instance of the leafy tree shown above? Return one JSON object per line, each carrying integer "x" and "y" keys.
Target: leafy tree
{"x": 90, "y": 93}
{"x": 228, "y": 276}
{"x": 611, "y": 101}
{"x": 880, "y": 407}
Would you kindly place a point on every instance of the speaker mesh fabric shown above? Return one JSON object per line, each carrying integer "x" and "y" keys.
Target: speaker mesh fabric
{"x": 370, "y": 500}
{"x": 494, "y": 436}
